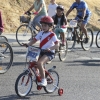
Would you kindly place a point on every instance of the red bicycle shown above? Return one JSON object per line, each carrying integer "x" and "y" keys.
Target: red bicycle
{"x": 23, "y": 84}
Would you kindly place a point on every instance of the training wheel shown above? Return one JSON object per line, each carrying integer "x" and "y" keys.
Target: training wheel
{"x": 60, "y": 91}
{"x": 39, "y": 87}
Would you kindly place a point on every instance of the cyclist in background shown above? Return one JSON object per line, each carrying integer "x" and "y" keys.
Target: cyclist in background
{"x": 83, "y": 14}
{"x": 49, "y": 41}
{"x": 40, "y": 8}
{"x": 52, "y": 8}
{"x": 60, "y": 21}
{"x": 1, "y": 23}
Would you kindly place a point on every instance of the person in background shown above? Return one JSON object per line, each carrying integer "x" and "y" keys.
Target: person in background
{"x": 60, "y": 23}
{"x": 40, "y": 8}
{"x": 83, "y": 15}
{"x": 52, "y": 8}
{"x": 1, "y": 23}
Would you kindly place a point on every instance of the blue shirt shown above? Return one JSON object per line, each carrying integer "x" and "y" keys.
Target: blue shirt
{"x": 79, "y": 7}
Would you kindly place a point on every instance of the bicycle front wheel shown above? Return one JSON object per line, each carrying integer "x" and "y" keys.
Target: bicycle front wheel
{"x": 23, "y": 34}
{"x": 86, "y": 46}
{"x": 71, "y": 42}
{"x": 6, "y": 57}
{"x": 63, "y": 52}
{"x": 23, "y": 84}
{"x": 52, "y": 81}
{"x": 98, "y": 39}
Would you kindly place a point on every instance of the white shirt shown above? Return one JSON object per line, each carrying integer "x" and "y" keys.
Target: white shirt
{"x": 47, "y": 40}
{"x": 52, "y": 9}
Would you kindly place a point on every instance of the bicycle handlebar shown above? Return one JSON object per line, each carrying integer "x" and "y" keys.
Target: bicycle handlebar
{"x": 43, "y": 50}
{"x": 29, "y": 13}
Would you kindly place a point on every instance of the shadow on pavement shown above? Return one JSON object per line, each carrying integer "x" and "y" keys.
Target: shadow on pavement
{"x": 13, "y": 97}
{"x": 93, "y": 63}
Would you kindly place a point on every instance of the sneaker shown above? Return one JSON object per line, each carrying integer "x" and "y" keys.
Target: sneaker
{"x": 86, "y": 40}
{"x": 43, "y": 82}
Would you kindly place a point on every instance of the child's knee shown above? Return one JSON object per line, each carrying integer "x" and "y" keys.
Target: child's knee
{"x": 39, "y": 63}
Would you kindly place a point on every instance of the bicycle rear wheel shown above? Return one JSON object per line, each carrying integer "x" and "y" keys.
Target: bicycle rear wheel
{"x": 98, "y": 39}
{"x": 23, "y": 84}
{"x": 86, "y": 46}
{"x": 52, "y": 81}
{"x": 23, "y": 34}
{"x": 63, "y": 52}
{"x": 6, "y": 57}
{"x": 71, "y": 42}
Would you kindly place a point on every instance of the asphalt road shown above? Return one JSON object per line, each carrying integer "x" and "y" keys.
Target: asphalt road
{"x": 79, "y": 76}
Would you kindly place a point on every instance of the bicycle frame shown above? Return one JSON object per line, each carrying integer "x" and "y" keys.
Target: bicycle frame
{"x": 32, "y": 68}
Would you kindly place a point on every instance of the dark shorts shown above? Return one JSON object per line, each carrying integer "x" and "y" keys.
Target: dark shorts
{"x": 50, "y": 55}
{"x": 86, "y": 19}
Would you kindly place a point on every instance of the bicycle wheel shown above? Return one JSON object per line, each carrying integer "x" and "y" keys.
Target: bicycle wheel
{"x": 23, "y": 34}
{"x": 71, "y": 42}
{"x": 6, "y": 57}
{"x": 3, "y": 38}
{"x": 63, "y": 52}
{"x": 23, "y": 84}
{"x": 86, "y": 46}
{"x": 98, "y": 39}
{"x": 52, "y": 81}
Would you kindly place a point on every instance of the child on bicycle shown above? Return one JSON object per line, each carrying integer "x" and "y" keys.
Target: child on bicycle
{"x": 60, "y": 21}
{"x": 48, "y": 41}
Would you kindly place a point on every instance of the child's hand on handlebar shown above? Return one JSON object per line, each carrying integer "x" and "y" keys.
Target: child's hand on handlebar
{"x": 25, "y": 45}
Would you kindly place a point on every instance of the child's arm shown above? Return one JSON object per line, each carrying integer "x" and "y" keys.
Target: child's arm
{"x": 40, "y": 8}
{"x": 33, "y": 41}
{"x": 65, "y": 21}
{"x": 56, "y": 46}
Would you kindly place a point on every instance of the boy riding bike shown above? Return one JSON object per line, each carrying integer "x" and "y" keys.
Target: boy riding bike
{"x": 83, "y": 15}
{"x": 60, "y": 21}
{"x": 48, "y": 41}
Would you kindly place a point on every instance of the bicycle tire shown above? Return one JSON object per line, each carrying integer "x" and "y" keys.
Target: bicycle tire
{"x": 86, "y": 46}
{"x": 61, "y": 57}
{"x": 22, "y": 76}
{"x": 23, "y": 34}
{"x": 3, "y": 38}
{"x": 98, "y": 39}
{"x": 5, "y": 62}
{"x": 70, "y": 41}
{"x": 51, "y": 87}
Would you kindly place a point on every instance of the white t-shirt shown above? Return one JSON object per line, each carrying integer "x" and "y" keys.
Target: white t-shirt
{"x": 47, "y": 40}
{"x": 52, "y": 9}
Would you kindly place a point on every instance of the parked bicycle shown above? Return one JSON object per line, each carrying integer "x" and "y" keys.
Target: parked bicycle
{"x": 6, "y": 56}
{"x": 79, "y": 36}
{"x": 98, "y": 38}
{"x": 26, "y": 30}
{"x": 24, "y": 82}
